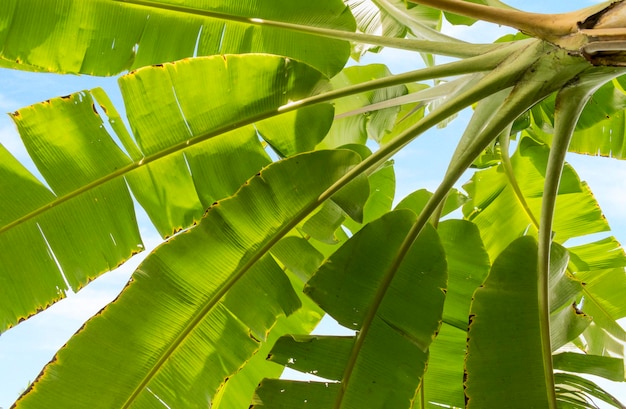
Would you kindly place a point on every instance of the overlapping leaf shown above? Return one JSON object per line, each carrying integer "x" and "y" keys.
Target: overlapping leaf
{"x": 600, "y": 128}
{"x": 358, "y": 129}
{"x": 108, "y": 37}
{"x": 237, "y": 391}
{"x": 197, "y": 307}
{"x": 575, "y": 392}
{"x": 600, "y": 266}
{"x": 504, "y": 341}
{"x": 498, "y": 212}
{"x": 392, "y": 18}
{"x": 468, "y": 265}
{"x": 384, "y": 367}
{"x": 176, "y": 168}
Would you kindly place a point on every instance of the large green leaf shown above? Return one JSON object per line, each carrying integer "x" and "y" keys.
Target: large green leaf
{"x": 180, "y": 91}
{"x": 468, "y": 265}
{"x": 197, "y": 307}
{"x": 504, "y": 341}
{"x": 88, "y": 235}
{"x": 189, "y": 135}
{"x": 108, "y": 37}
{"x": 382, "y": 365}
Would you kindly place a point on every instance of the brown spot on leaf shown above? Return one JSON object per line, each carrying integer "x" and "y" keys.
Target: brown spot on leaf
{"x": 576, "y": 310}
{"x": 465, "y": 387}
{"x": 251, "y": 335}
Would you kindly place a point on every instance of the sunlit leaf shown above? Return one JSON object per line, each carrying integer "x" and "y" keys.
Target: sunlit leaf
{"x": 346, "y": 287}
{"x": 504, "y": 341}
{"x": 187, "y": 139}
{"x": 206, "y": 301}
{"x": 109, "y": 37}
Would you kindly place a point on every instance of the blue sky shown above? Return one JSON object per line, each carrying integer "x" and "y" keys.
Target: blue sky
{"x": 26, "y": 348}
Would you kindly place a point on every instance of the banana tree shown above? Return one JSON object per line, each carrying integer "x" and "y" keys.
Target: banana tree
{"x": 246, "y": 142}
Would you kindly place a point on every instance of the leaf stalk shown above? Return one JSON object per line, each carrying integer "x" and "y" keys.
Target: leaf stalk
{"x": 570, "y": 102}
{"x": 549, "y": 27}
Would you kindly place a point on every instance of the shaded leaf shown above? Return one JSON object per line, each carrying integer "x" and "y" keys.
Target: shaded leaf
{"x": 468, "y": 265}
{"x": 237, "y": 391}
{"x": 281, "y": 394}
{"x": 323, "y": 356}
{"x": 298, "y": 255}
{"x": 504, "y": 335}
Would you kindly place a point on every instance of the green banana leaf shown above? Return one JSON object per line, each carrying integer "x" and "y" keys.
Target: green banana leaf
{"x": 503, "y": 346}
{"x": 499, "y": 214}
{"x": 600, "y": 128}
{"x": 382, "y": 188}
{"x": 237, "y": 390}
{"x": 108, "y": 37}
{"x": 390, "y": 351}
{"x": 576, "y": 392}
{"x": 198, "y": 307}
{"x": 418, "y": 199}
{"x": 357, "y": 129}
{"x": 468, "y": 265}
{"x": 186, "y": 135}
{"x": 489, "y": 190}
{"x": 606, "y": 367}
{"x": 394, "y": 18}
{"x": 600, "y": 266}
